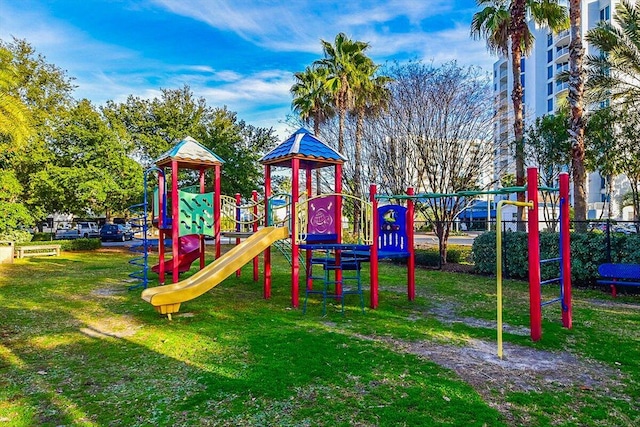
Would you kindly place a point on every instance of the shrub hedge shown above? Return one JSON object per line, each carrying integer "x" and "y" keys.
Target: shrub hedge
{"x": 430, "y": 257}
{"x": 72, "y": 245}
{"x": 17, "y": 236}
{"x": 588, "y": 251}
{"x": 43, "y": 237}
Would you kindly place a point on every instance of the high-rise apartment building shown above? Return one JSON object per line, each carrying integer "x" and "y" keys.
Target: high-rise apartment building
{"x": 543, "y": 94}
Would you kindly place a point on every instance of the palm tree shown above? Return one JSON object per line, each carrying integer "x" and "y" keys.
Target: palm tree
{"x": 370, "y": 97}
{"x": 343, "y": 60}
{"x": 15, "y": 123}
{"x": 311, "y": 100}
{"x": 503, "y": 24}
{"x": 576, "y": 122}
{"x": 615, "y": 74}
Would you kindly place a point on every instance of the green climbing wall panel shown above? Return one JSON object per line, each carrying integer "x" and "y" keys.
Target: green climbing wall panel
{"x": 196, "y": 213}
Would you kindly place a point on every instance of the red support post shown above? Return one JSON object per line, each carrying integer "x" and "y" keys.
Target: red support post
{"x": 411, "y": 262}
{"x": 309, "y": 187}
{"x": 374, "y": 248}
{"x": 295, "y": 263}
{"x": 338, "y": 186}
{"x": 567, "y": 321}
{"x": 266, "y": 285}
{"x": 161, "y": 214}
{"x": 202, "y": 242}
{"x": 254, "y": 197}
{"x": 535, "y": 307}
{"x": 175, "y": 221}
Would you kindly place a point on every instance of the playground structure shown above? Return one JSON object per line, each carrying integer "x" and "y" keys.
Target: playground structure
{"x": 313, "y": 224}
{"x": 535, "y": 282}
{"x": 318, "y": 224}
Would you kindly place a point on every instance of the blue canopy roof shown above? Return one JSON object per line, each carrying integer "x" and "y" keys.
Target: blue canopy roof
{"x": 305, "y": 146}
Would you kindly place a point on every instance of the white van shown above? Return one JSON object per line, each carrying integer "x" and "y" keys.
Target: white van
{"x": 78, "y": 230}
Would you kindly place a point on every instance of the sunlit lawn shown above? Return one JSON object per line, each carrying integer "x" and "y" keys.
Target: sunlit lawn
{"x": 77, "y": 348}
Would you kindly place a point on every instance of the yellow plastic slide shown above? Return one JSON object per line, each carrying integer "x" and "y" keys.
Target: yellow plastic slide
{"x": 166, "y": 299}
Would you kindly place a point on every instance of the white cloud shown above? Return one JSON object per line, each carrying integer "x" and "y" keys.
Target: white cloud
{"x": 106, "y": 71}
{"x": 299, "y": 25}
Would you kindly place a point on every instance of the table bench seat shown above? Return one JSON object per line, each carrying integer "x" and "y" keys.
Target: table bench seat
{"x": 619, "y": 275}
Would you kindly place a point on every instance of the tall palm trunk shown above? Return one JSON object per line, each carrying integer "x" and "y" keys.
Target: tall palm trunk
{"x": 342, "y": 105}
{"x": 576, "y": 125}
{"x": 357, "y": 174}
{"x": 518, "y": 27}
{"x": 316, "y": 132}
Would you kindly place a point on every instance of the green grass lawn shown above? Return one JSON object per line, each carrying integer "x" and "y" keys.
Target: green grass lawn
{"x": 77, "y": 348}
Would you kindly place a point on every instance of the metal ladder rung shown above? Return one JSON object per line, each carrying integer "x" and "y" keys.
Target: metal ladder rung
{"x": 550, "y": 301}
{"x": 544, "y": 261}
{"x": 549, "y": 281}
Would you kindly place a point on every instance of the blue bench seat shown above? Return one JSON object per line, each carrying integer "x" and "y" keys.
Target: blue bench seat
{"x": 619, "y": 275}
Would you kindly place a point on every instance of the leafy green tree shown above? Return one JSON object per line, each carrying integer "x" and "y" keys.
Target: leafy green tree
{"x": 602, "y": 154}
{"x": 628, "y": 141}
{"x": 503, "y": 24}
{"x": 46, "y": 92}
{"x": 15, "y": 119}
{"x": 240, "y": 145}
{"x": 155, "y": 125}
{"x": 13, "y": 213}
{"x": 91, "y": 170}
{"x": 547, "y": 147}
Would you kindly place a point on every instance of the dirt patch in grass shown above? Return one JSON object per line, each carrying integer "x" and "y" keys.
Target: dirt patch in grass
{"x": 112, "y": 326}
{"x": 614, "y": 304}
{"x": 522, "y": 369}
{"x": 446, "y": 314}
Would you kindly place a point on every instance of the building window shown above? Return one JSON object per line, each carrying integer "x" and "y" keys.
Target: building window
{"x": 522, "y": 79}
{"x": 550, "y": 55}
{"x": 563, "y": 66}
{"x": 549, "y": 39}
{"x": 550, "y": 72}
{"x": 495, "y": 73}
{"x": 550, "y": 105}
{"x": 561, "y": 50}
{"x": 522, "y": 65}
{"x": 549, "y": 88}
{"x": 605, "y": 14}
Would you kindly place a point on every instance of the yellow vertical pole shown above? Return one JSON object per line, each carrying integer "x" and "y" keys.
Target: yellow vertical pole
{"x": 499, "y": 272}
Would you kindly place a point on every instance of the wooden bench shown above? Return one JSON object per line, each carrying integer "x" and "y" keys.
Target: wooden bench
{"x": 37, "y": 250}
{"x": 619, "y": 274}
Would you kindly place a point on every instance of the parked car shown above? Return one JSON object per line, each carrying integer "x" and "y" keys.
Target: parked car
{"x": 78, "y": 230}
{"x": 115, "y": 232}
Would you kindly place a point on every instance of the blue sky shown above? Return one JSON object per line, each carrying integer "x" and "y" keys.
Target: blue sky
{"x": 237, "y": 53}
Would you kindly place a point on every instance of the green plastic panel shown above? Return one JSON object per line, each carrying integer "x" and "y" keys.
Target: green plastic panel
{"x": 196, "y": 213}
